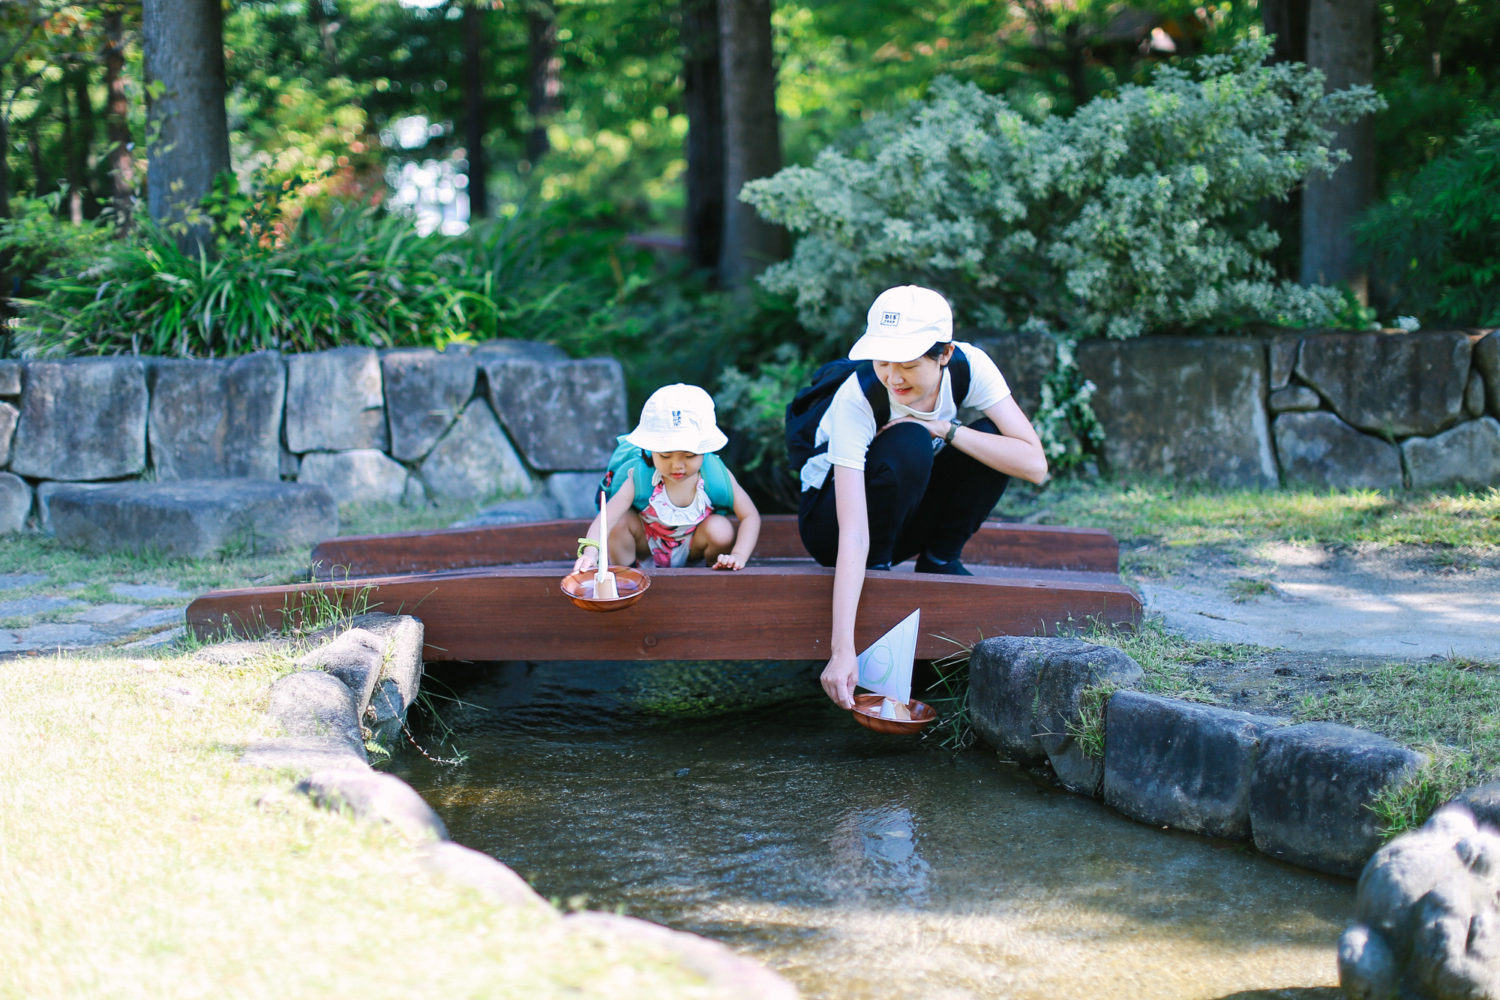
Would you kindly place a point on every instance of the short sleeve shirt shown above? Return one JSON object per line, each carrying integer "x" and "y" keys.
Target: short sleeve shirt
{"x": 848, "y": 425}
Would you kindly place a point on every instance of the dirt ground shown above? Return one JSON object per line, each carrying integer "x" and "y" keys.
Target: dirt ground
{"x": 1319, "y": 617}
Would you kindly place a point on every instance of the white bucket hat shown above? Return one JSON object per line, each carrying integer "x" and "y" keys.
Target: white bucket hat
{"x": 678, "y": 417}
{"x": 902, "y": 324}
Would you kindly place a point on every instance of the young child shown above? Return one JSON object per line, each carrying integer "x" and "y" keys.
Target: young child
{"x": 667, "y": 490}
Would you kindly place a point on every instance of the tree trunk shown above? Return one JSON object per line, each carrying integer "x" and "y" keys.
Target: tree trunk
{"x": 474, "y": 115}
{"x": 544, "y": 96}
{"x": 81, "y": 201}
{"x": 117, "y": 122}
{"x": 703, "y": 95}
{"x": 1341, "y": 39}
{"x": 752, "y": 139}
{"x": 1287, "y": 20}
{"x": 184, "y": 62}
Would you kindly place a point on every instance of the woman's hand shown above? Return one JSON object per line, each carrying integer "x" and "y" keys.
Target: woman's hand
{"x": 838, "y": 679}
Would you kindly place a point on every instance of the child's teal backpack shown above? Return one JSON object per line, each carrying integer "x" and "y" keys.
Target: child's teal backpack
{"x": 631, "y": 457}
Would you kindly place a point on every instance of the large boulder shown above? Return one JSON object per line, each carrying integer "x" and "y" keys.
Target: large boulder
{"x": 10, "y": 378}
{"x": 475, "y": 460}
{"x": 1311, "y": 790}
{"x": 1216, "y": 427}
{"x": 1427, "y": 915}
{"x": 82, "y": 419}
{"x": 425, "y": 391}
{"x": 1320, "y": 449}
{"x": 1179, "y": 764}
{"x": 193, "y": 517}
{"x": 1026, "y": 699}
{"x": 1468, "y": 454}
{"x": 561, "y": 415}
{"x": 335, "y": 401}
{"x": 1392, "y": 384}
{"x": 217, "y": 419}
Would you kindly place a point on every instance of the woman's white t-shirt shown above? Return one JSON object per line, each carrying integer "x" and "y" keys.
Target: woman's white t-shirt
{"x": 848, "y": 425}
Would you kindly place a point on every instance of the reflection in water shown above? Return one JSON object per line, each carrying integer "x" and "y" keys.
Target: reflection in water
{"x": 862, "y": 865}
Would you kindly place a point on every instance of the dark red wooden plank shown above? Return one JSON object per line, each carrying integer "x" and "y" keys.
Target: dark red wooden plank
{"x": 1039, "y": 546}
{"x": 761, "y": 612}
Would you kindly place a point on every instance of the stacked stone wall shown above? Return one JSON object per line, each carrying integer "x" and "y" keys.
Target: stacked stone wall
{"x": 510, "y": 419}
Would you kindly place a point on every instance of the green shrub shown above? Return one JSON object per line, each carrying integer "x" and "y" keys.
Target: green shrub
{"x": 1128, "y": 216}
{"x": 346, "y": 275}
{"x": 1434, "y": 243}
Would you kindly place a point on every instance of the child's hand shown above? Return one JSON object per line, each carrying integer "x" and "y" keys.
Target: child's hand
{"x": 728, "y": 560}
{"x": 586, "y": 562}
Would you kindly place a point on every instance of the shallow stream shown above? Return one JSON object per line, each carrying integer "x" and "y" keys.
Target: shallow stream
{"x": 856, "y": 864}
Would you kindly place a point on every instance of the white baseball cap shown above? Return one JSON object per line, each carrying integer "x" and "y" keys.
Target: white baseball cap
{"x": 902, "y": 324}
{"x": 678, "y": 417}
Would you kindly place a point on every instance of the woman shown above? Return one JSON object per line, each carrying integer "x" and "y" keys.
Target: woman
{"x": 900, "y": 476}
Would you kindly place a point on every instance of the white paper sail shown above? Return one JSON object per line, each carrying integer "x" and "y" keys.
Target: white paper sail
{"x": 885, "y": 668}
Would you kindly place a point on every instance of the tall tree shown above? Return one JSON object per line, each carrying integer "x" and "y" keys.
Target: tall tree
{"x": 752, "y": 137}
{"x": 544, "y": 90}
{"x": 475, "y": 119}
{"x": 1341, "y": 40}
{"x": 703, "y": 98}
{"x": 118, "y": 155}
{"x": 184, "y": 65}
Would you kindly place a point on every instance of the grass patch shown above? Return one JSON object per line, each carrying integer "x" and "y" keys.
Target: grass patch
{"x": 1165, "y": 521}
{"x": 138, "y": 858}
{"x": 1448, "y": 708}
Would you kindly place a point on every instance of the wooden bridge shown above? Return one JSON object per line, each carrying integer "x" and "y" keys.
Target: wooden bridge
{"x": 493, "y": 593}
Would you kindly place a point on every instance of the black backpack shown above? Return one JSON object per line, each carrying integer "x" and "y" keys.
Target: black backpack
{"x": 811, "y": 401}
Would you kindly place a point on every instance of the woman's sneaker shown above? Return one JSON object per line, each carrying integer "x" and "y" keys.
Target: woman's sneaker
{"x": 953, "y": 567}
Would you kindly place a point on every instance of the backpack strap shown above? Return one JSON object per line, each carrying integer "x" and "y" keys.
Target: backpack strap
{"x": 718, "y": 483}
{"x": 958, "y": 376}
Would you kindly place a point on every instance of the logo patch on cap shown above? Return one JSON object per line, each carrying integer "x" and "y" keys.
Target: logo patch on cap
{"x": 890, "y": 318}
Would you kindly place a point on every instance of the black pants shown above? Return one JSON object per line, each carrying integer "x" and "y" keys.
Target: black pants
{"x": 917, "y": 501}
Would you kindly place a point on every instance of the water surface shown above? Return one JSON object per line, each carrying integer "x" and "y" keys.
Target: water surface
{"x": 861, "y": 865}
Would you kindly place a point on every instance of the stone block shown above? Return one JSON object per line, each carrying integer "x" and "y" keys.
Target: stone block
{"x": 10, "y": 378}
{"x": 355, "y": 657}
{"x": 311, "y": 704}
{"x": 81, "y": 419}
{"x": 401, "y": 672}
{"x": 487, "y": 876}
{"x": 1311, "y": 790}
{"x": 217, "y": 419}
{"x": 1216, "y": 430}
{"x": 8, "y": 417}
{"x": 1281, "y": 359}
{"x": 562, "y": 416}
{"x": 1391, "y": 384}
{"x": 335, "y": 401}
{"x": 1487, "y": 364}
{"x": 1474, "y": 396}
{"x": 1178, "y": 764}
{"x": 1293, "y": 399}
{"x": 516, "y": 350}
{"x": 1468, "y": 454}
{"x": 425, "y": 391}
{"x": 44, "y": 494}
{"x": 526, "y": 510}
{"x": 193, "y": 517}
{"x": 1025, "y": 694}
{"x": 475, "y": 460}
{"x": 375, "y": 797}
{"x": 15, "y": 503}
{"x": 1483, "y": 802}
{"x": 1322, "y": 450}
{"x": 576, "y": 493}
{"x": 360, "y": 476}
{"x": 1025, "y": 360}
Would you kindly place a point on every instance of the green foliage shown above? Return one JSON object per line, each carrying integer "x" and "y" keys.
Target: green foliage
{"x": 755, "y": 406}
{"x": 1434, "y": 243}
{"x": 1123, "y": 218}
{"x": 346, "y": 275}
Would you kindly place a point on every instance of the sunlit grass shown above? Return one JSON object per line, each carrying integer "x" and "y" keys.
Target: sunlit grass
{"x": 1179, "y": 516}
{"x": 138, "y": 858}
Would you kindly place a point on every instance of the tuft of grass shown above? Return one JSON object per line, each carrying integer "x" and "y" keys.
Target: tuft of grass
{"x": 1087, "y": 729}
{"x": 954, "y": 728}
{"x": 1246, "y": 588}
{"x": 1407, "y": 805}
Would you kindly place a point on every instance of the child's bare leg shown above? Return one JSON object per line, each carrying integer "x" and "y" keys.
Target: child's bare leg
{"x": 712, "y": 538}
{"x": 627, "y": 538}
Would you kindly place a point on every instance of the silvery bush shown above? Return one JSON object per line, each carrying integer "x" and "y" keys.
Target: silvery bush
{"x": 1135, "y": 214}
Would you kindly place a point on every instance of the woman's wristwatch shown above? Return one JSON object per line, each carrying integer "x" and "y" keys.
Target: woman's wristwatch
{"x": 953, "y": 426}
